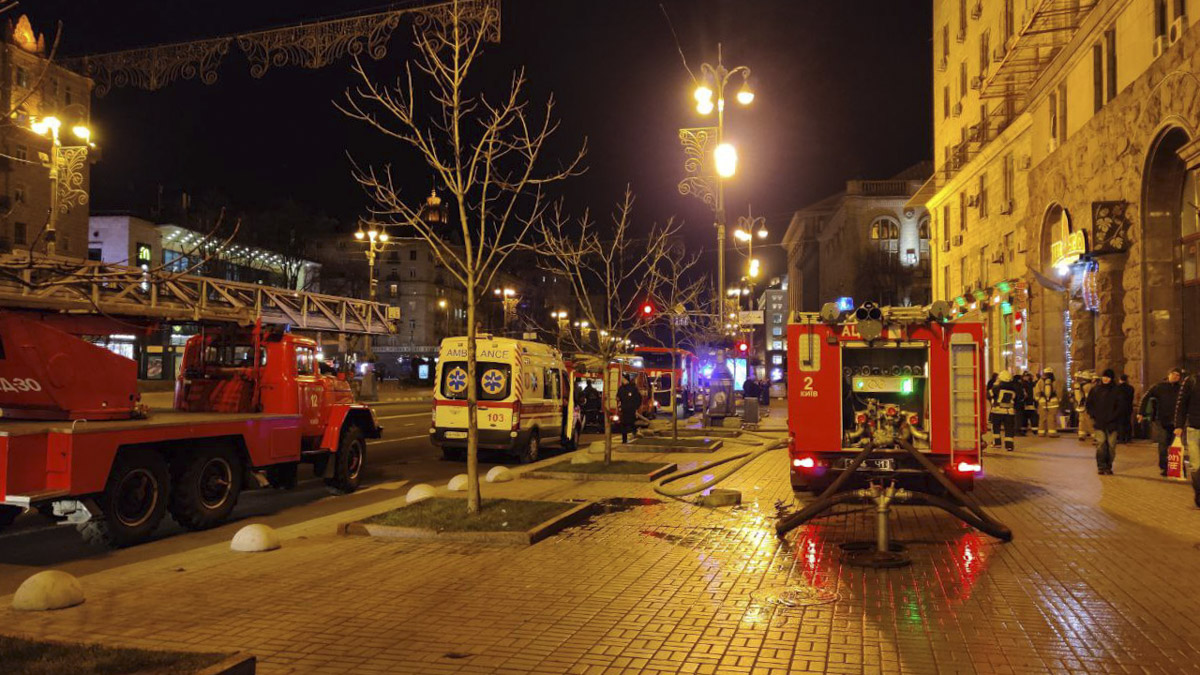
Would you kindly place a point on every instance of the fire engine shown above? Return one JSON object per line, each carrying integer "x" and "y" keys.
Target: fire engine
{"x": 663, "y": 370}
{"x": 250, "y": 406}
{"x": 879, "y": 377}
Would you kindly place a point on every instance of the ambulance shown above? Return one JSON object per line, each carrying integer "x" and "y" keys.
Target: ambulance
{"x": 525, "y": 394}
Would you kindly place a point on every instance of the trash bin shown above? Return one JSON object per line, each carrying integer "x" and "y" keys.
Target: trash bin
{"x": 750, "y": 411}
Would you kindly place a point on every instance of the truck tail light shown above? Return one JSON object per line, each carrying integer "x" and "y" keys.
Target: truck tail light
{"x": 804, "y": 462}
{"x": 968, "y": 467}
{"x": 516, "y": 415}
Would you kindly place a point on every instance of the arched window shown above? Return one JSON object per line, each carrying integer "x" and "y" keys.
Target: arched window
{"x": 885, "y": 233}
{"x": 923, "y": 228}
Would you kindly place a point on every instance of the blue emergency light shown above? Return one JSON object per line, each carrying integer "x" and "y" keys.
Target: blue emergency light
{"x": 845, "y": 304}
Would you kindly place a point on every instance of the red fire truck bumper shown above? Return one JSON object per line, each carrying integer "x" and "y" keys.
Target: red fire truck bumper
{"x": 815, "y": 471}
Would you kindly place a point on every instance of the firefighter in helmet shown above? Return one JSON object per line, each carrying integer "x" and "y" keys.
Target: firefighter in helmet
{"x": 1003, "y": 397}
{"x": 1045, "y": 392}
{"x": 1083, "y": 384}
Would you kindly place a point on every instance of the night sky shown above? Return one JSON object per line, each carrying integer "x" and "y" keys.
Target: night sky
{"x": 842, "y": 93}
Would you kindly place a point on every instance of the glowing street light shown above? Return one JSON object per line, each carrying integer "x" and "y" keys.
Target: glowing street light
{"x": 726, "y": 159}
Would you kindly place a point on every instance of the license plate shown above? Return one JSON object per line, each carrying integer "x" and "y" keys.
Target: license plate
{"x": 870, "y": 464}
{"x": 456, "y": 434}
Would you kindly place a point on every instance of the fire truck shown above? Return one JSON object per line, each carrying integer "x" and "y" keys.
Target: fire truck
{"x": 250, "y": 407}
{"x": 662, "y": 370}
{"x": 882, "y": 377}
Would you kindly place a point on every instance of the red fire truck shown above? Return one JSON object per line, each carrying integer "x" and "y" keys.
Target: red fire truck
{"x": 881, "y": 377}
{"x": 250, "y": 406}
{"x": 663, "y": 369}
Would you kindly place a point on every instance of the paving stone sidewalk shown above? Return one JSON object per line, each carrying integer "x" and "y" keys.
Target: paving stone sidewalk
{"x": 1100, "y": 579}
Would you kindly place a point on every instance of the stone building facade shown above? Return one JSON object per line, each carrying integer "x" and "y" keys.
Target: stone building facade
{"x": 1098, "y": 232}
{"x": 32, "y": 91}
{"x": 866, "y": 243}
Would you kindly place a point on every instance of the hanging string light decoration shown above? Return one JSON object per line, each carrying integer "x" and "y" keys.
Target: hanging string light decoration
{"x": 1091, "y": 294}
{"x": 1068, "y": 341}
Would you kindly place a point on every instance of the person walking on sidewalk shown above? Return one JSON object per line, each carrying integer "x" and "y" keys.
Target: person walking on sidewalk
{"x": 1187, "y": 416}
{"x": 1104, "y": 407}
{"x": 629, "y": 399}
{"x": 1158, "y": 406}
{"x": 1045, "y": 392}
{"x": 1083, "y": 385}
{"x": 1003, "y": 397}
{"x": 1030, "y": 422}
{"x": 1126, "y": 395}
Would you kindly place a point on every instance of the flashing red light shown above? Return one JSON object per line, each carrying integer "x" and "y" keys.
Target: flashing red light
{"x": 804, "y": 462}
{"x": 647, "y": 310}
{"x": 743, "y": 347}
{"x": 967, "y": 467}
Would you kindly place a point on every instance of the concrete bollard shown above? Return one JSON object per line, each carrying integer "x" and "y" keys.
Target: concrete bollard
{"x": 458, "y": 483}
{"x": 499, "y": 474}
{"x": 255, "y": 538}
{"x": 418, "y": 492}
{"x": 52, "y": 589}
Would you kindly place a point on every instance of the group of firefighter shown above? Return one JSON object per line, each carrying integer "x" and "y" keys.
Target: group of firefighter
{"x": 1104, "y": 410}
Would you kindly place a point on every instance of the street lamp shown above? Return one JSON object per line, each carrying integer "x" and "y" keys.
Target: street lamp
{"x": 714, "y": 81}
{"x": 509, "y": 299}
{"x": 375, "y": 239}
{"x": 65, "y": 161}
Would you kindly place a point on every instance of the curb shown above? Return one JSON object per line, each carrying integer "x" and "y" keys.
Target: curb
{"x": 625, "y": 477}
{"x": 531, "y": 536}
{"x": 239, "y": 663}
{"x": 242, "y": 663}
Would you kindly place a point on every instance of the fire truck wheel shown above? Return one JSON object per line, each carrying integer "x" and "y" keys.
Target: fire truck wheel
{"x": 349, "y": 461}
{"x": 206, "y": 488}
{"x": 8, "y": 514}
{"x": 133, "y": 503}
{"x": 533, "y": 449}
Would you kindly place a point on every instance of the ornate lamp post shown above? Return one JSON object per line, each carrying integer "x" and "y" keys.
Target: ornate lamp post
{"x": 66, "y": 172}
{"x": 710, "y": 160}
{"x": 375, "y": 239}
{"x": 509, "y": 300}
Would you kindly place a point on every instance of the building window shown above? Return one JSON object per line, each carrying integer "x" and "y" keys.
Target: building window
{"x": 963, "y": 82}
{"x": 983, "y": 195}
{"x": 985, "y": 57}
{"x": 412, "y": 254}
{"x": 1097, "y": 77}
{"x": 983, "y": 266}
{"x": 777, "y": 359}
{"x": 1006, "y": 256}
{"x": 923, "y": 228}
{"x": 946, "y": 295}
{"x": 1062, "y": 111}
{"x": 1052, "y": 105}
{"x": 19, "y": 194}
{"x": 962, "y": 272}
{"x": 21, "y": 152}
{"x": 1160, "y": 18}
{"x": 945, "y": 45}
{"x": 22, "y": 77}
{"x": 95, "y": 255}
{"x": 777, "y": 331}
{"x": 412, "y": 273}
{"x": 64, "y": 243}
{"x": 946, "y": 224}
{"x": 962, "y": 214}
{"x": 67, "y": 96}
{"x": 962, "y": 20}
{"x": 1009, "y": 177}
{"x": 20, "y": 233}
{"x": 946, "y": 110}
{"x": 885, "y": 233}
{"x": 393, "y": 290}
{"x": 1110, "y": 48}
{"x": 777, "y": 344}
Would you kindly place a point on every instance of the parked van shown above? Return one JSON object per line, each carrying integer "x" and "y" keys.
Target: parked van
{"x": 525, "y": 398}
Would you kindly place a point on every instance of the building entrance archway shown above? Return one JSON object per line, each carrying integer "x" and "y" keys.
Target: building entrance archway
{"x": 1171, "y": 290}
{"x": 1055, "y": 223}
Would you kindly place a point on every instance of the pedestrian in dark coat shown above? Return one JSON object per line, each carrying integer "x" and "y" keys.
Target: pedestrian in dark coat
{"x": 1187, "y": 416}
{"x": 1158, "y": 406}
{"x": 1104, "y": 406}
{"x": 629, "y": 399}
{"x": 1126, "y": 396}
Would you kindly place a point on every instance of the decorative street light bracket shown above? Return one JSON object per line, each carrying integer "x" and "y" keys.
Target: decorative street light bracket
{"x": 699, "y": 181}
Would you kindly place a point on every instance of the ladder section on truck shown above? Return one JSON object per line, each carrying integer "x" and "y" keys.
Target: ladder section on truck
{"x": 964, "y": 401}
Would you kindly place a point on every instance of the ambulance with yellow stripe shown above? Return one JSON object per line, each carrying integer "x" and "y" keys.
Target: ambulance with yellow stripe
{"x": 525, "y": 393}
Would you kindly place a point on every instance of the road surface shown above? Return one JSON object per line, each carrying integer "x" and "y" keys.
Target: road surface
{"x": 401, "y": 458}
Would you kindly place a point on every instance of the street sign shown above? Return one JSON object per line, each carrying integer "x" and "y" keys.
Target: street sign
{"x": 752, "y": 317}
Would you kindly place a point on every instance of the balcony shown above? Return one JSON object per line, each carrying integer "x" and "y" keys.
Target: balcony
{"x": 1050, "y": 26}
{"x": 882, "y": 188}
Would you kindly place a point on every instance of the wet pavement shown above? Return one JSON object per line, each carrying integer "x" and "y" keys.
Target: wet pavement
{"x": 1099, "y": 578}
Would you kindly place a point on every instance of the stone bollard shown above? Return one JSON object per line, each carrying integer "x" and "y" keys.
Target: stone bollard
{"x": 419, "y": 492}
{"x": 255, "y": 538}
{"x": 499, "y": 474}
{"x": 458, "y": 483}
{"x": 52, "y": 589}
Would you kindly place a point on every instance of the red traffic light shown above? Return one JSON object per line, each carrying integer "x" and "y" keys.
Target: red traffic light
{"x": 743, "y": 347}
{"x": 647, "y": 310}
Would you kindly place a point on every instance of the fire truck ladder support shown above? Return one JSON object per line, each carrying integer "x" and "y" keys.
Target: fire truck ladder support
{"x": 963, "y": 506}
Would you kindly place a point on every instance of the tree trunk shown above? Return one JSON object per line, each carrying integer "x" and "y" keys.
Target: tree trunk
{"x": 607, "y": 434}
{"x": 473, "y": 498}
{"x": 674, "y": 385}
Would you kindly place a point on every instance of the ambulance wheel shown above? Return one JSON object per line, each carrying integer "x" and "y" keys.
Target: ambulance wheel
{"x": 133, "y": 503}
{"x": 532, "y": 449}
{"x": 206, "y": 488}
{"x": 349, "y": 461}
{"x": 8, "y": 514}
{"x": 454, "y": 454}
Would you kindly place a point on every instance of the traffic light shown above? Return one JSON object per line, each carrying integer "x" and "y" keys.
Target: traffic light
{"x": 742, "y": 347}
{"x": 647, "y": 310}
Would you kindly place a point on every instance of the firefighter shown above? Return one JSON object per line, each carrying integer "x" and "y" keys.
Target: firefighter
{"x": 1082, "y": 385}
{"x": 1030, "y": 421}
{"x": 629, "y": 399}
{"x": 1158, "y": 406}
{"x": 1125, "y": 394}
{"x": 1003, "y": 397}
{"x": 1045, "y": 391}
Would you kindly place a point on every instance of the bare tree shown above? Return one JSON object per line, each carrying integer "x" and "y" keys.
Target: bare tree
{"x": 682, "y": 307}
{"x": 611, "y": 274}
{"x": 488, "y": 155}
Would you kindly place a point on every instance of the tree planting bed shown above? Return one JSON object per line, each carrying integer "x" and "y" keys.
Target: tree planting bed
{"x": 640, "y": 472}
{"x": 500, "y": 521}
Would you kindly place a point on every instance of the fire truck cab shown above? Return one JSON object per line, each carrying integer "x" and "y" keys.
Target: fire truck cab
{"x": 882, "y": 376}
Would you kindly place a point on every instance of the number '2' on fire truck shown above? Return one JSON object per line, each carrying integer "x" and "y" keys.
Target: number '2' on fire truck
{"x": 880, "y": 376}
